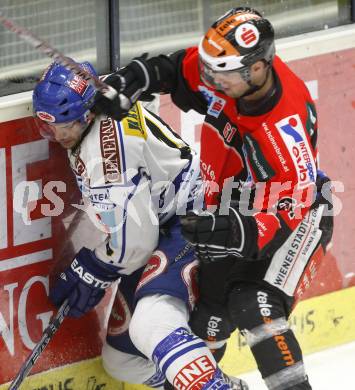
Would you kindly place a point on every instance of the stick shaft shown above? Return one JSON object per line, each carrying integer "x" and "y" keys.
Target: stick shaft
{"x": 44, "y": 47}
{"x": 47, "y": 336}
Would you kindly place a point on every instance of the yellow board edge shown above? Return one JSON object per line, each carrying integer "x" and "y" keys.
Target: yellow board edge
{"x": 319, "y": 323}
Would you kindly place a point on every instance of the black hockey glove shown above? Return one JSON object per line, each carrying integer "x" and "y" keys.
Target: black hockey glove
{"x": 138, "y": 80}
{"x": 116, "y": 107}
{"x": 219, "y": 236}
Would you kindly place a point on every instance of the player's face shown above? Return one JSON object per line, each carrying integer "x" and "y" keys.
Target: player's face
{"x": 231, "y": 83}
{"x": 67, "y": 134}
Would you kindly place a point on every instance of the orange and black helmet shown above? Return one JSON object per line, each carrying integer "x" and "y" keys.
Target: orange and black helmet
{"x": 237, "y": 40}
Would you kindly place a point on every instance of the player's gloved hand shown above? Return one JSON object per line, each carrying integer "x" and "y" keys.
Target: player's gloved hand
{"x": 130, "y": 83}
{"x": 83, "y": 282}
{"x": 113, "y": 104}
{"x": 218, "y": 236}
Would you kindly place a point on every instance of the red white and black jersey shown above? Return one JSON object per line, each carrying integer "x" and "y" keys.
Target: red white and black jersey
{"x": 269, "y": 148}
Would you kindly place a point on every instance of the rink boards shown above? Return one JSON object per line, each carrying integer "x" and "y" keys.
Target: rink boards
{"x": 320, "y": 322}
{"x": 48, "y": 227}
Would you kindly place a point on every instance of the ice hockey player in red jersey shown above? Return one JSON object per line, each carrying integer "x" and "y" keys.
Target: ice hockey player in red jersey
{"x": 268, "y": 216}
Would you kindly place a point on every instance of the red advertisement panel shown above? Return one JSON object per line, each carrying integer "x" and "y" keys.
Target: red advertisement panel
{"x": 39, "y": 224}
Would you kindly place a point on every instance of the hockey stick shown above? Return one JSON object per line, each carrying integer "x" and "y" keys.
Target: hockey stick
{"x": 47, "y": 336}
{"x": 44, "y": 47}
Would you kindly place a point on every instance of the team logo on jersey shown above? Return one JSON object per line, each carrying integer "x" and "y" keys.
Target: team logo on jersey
{"x": 120, "y": 316}
{"x": 45, "y": 116}
{"x": 247, "y": 35}
{"x": 215, "y": 103}
{"x": 216, "y": 107}
{"x": 155, "y": 266}
{"x": 294, "y": 136}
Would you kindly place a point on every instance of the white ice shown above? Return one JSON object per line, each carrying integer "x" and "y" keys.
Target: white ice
{"x": 330, "y": 369}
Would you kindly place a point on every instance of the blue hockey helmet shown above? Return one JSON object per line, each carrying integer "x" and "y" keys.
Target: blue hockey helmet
{"x": 61, "y": 96}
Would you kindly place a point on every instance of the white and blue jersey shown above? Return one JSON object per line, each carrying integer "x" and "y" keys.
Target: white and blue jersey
{"x": 134, "y": 175}
{"x": 137, "y": 176}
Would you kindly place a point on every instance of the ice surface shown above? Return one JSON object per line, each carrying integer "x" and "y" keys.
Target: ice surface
{"x": 327, "y": 370}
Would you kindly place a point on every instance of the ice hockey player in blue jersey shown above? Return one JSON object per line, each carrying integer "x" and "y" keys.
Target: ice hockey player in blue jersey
{"x": 136, "y": 176}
